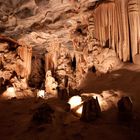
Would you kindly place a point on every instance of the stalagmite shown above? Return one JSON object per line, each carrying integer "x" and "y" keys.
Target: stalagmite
{"x": 91, "y": 110}
{"x": 125, "y": 107}
{"x": 51, "y": 85}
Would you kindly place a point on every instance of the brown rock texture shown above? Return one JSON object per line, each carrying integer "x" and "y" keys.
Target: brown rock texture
{"x": 15, "y": 62}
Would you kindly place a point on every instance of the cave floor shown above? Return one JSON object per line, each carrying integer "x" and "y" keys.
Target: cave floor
{"x": 16, "y": 114}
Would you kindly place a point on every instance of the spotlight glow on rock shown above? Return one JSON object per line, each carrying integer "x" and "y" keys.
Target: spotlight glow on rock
{"x": 41, "y": 93}
{"x": 9, "y": 93}
{"x": 74, "y": 102}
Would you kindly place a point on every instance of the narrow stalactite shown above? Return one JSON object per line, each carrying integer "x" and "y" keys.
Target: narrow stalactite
{"x": 133, "y": 12}
{"x": 25, "y": 53}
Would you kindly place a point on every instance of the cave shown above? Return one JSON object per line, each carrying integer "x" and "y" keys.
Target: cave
{"x": 69, "y": 69}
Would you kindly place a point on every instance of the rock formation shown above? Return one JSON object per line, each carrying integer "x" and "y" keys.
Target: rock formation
{"x": 50, "y": 84}
{"x": 125, "y": 107}
{"x": 117, "y": 25}
{"x": 91, "y": 110}
{"x": 15, "y": 60}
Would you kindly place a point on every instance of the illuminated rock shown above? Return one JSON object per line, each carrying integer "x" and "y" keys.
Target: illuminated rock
{"x": 41, "y": 93}
{"x": 107, "y": 99}
{"x": 9, "y": 93}
{"x": 76, "y": 104}
{"x": 51, "y": 84}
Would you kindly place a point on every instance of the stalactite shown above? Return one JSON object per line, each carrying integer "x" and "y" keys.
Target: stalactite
{"x": 119, "y": 29}
{"x": 133, "y": 21}
{"x": 113, "y": 28}
{"x": 139, "y": 28}
{"x": 25, "y": 54}
{"x": 49, "y": 65}
{"x": 118, "y": 24}
{"x": 125, "y": 46}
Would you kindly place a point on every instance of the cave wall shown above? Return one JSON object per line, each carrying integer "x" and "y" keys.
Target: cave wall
{"x": 117, "y": 24}
{"x": 15, "y": 63}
